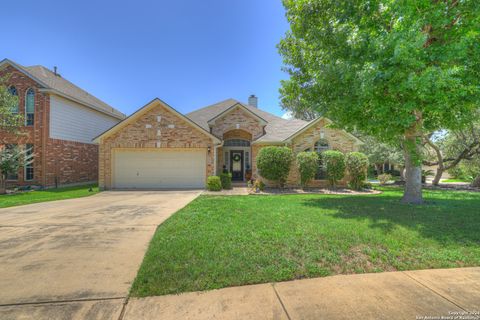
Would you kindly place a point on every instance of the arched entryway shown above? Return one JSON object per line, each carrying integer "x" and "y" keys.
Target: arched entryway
{"x": 236, "y": 154}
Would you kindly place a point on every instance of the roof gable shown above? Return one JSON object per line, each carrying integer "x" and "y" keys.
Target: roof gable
{"x": 55, "y": 84}
{"x": 234, "y": 107}
{"x": 137, "y": 114}
{"x": 310, "y": 124}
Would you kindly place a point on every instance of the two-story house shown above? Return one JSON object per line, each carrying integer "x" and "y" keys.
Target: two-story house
{"x": 61, "y": 120}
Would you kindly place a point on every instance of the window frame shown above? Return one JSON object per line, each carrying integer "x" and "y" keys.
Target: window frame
{"x": 14, "y": 92}
{"x": 30, "y": 165}
{"x": 321, "y": 173}
{"x": 29, "y": 116}
{"x": 236, "y": 143}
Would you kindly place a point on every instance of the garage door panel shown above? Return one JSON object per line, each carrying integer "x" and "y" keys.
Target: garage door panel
{"x": 160, "y": 169}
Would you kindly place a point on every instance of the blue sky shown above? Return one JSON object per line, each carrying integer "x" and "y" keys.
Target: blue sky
{"x": 188, "y": 53}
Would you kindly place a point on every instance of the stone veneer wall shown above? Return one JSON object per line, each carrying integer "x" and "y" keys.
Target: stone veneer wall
{"x": 238, "y": 116}
{"x": 136, "y": 135}
{"x": 337, "y": 140}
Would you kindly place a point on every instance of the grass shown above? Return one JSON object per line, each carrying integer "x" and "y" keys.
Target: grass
{"x": 225, "y": 241}
{"x": 454, "y": 180}
{"x": 28, "y": 197}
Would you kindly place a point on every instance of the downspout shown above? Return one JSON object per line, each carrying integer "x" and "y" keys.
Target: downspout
{"x": 44, "y": 139}
{"x": 215, "y": 147}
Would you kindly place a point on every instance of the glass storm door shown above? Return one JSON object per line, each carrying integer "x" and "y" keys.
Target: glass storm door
{"x": 236, "y": 165}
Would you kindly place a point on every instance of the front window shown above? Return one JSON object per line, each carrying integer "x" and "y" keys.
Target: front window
{"x": 236, "y": 143}
{"x": 319, "y": 147}
{"x": 13, "y": 92}
{"x": 30, "y": 107}
{"x": 28, "y": 164}
{"x": 226, "y": 160}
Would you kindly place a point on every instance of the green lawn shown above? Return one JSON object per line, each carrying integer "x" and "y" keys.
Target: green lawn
{"x": 10, "y": 200}
{"x": 454, "y": 180}
{"x": 225, "y": 241}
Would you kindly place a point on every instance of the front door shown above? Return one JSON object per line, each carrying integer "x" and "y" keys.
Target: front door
{"x": 236, "y": 165}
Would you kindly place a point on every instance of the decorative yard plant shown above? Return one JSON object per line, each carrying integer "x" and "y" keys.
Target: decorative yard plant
{"x": 307, "y": 163}
{"x": 384, "y": 178}
{"x": 334, "y": 162}
{"x": 357, "y": 166}
{"x": 226, "y": 179}
{"x": 274, "y": 163}
{"x": 214, "y": 183}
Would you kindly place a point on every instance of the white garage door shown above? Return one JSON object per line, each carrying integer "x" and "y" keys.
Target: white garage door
{"x": 160, "y": 169}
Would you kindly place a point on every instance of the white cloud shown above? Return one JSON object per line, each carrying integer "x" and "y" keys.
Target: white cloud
{"x": 287, "y": 115}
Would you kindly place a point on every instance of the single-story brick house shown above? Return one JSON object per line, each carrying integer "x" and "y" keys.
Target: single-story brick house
{"x": 158, "y": 147}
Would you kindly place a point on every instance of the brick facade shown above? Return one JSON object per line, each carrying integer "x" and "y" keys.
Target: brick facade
{"x": 237, "y": 134}
{"x": 175, "y": 132}
{"x": 240, "y": 117}
{"x": 56, "y": 162}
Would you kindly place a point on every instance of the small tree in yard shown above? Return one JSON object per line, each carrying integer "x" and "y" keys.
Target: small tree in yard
{"x": 274, "y": 163}
{"x": 334, "y": 162}
{"x": 394, "y": 70}
{"x": 357, "y": 166}
{"x": 307, "y": 163}
{"x": 10, "y": 122}
{"x": 9, "y": 162}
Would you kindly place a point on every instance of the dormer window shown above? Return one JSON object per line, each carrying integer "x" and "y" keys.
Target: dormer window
{"x": 30, "y": 107}
{"x": 13, "y": 91}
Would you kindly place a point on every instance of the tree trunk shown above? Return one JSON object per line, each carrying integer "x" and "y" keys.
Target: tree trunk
{"x": 377, "y": 168}
{"x": 3, "y": 188}
{"x": 438, "y": 175}
{"x": 441, "y": 166}
{"x": 476, "y": 182}
{"x": 413, "y": 164}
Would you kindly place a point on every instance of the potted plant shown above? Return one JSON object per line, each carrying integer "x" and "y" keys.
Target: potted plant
{"x": 248, "y": 173}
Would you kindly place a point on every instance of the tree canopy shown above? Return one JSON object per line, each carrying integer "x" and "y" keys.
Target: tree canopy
{"x": 391, "y": 69}
{"x": 10, "y": 121}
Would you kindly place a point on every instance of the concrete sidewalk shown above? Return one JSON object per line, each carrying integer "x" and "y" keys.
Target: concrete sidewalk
{"x": 426, "y": 294}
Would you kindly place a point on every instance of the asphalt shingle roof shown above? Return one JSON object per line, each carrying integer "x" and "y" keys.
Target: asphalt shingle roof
{"x": 277, "y": 129}
{"x": 67, "y": 88}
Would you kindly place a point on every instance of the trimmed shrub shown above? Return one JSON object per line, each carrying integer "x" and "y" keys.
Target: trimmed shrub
{"x": 357, "y": 166}
{"x": 334, "y": 162}
{"x": 214, "y": 183}
{"x": 226, "y": 179}
{"x": 258, "y": 185}
{"x": 307, "y": 163}
{"x": 274, "y": 163}
{"x": 384, "y": 178}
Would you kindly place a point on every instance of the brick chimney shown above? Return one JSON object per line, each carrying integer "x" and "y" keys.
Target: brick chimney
{"x": 253, "y": 101}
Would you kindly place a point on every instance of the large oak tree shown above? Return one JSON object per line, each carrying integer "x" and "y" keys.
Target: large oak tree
{"x": 393, "y": 69}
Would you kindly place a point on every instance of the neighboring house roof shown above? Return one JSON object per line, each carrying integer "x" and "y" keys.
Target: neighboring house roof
{"x": 276, "y": 129}
{"x": 56, "y": 84}
{"x": 146, "y": 108}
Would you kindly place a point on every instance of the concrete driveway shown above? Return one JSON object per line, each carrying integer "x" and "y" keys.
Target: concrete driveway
{"x": 77, "y": 258}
